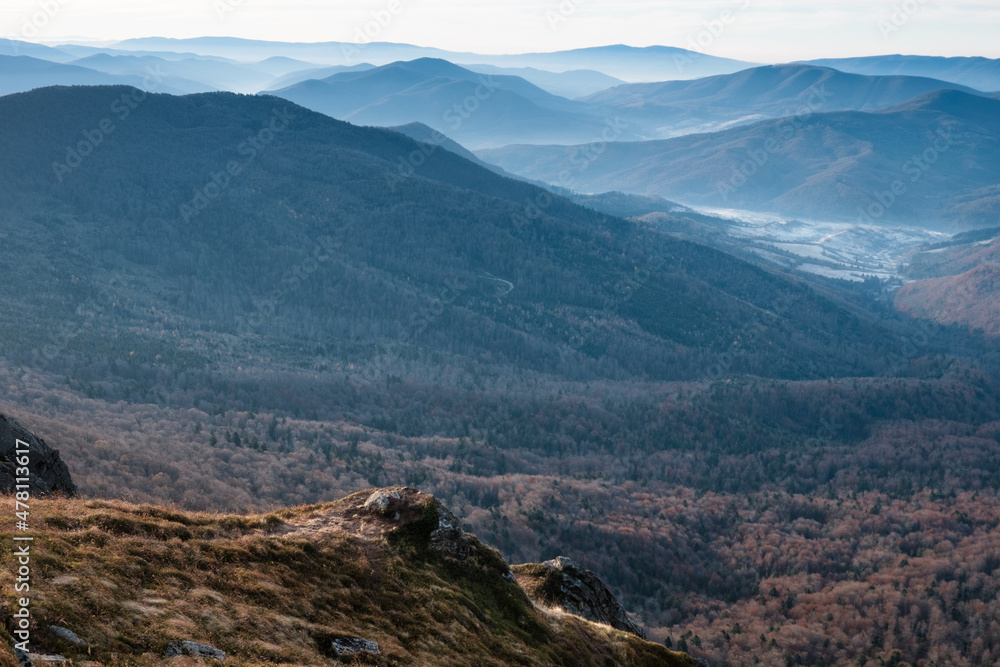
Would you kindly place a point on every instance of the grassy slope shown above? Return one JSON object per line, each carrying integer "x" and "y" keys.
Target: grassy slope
{"x": 272, "y": 589}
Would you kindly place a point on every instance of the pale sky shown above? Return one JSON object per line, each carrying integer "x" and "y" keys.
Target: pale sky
{"x": 754, "y": 30}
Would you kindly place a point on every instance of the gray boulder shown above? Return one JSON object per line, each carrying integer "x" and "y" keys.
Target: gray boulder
{"x": 67, "y": 635}
{"x": 345, "y": 647}
{"x": 203, "y": 651}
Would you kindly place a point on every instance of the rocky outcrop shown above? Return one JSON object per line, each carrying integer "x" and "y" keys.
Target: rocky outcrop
{"x": 562, "y": 583}
{"x": 47, "y": 471}
{"x": 405, "y": 505}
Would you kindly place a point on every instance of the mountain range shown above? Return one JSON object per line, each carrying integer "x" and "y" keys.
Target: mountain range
{"x": 531, "y": 272}
{"x": 478, "y": 110}
{"x": 684, "y": 107}
{"x": 654, "y": 63}
{"x": 20, "y": 73}
{"x": 930, "y": 161}
{"x": 980, "y": 73}
{"x": 191, "y": 75}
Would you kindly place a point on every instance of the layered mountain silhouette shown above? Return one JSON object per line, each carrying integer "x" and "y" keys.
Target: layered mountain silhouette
{"x": 570, "y": 84}
{"x": 980, "y": 73}
{"x": 930, "y": 161}
{"x": 16, "y": 47}
{"x": 681, "y": 107}
{"x": 190, "y": 75}
{"x": 23, "y": 73}
{"x": 475, "y": 109}
{"x": 653, "y": 63}
{"x": 161, "y": 233}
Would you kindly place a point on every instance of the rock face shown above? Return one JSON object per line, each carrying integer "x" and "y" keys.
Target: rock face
{"x": 47, "y": 471}
{"x": 562, "y": 583}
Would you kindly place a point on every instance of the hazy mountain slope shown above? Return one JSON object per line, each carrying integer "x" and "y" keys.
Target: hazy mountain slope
{"x": 571, "y": 84}
{"x": 295, "y": 587}
{"x": 775, "y": 91}
{"x": 957, "y": 255}
{"x": 475, "y": 109}
{"x": 428, "y": 135}
{"x": 941, "y": 151}
{"x": 190, "y": 75}
{"x": 980, "y": 73}
{"x": 280, "y": 66}
{"x": 957, "y": 282}
{"x": 524, "y": 273}
{"x": 23, "y": 73}
{"x": 14, "y": 47}
{"x": 971, "y": 298}
{"x": 158, "y": 71}
{"x": 314, "y": 73}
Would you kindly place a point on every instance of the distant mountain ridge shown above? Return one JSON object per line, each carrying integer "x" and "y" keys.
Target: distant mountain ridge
{"x": 773, "y": 91}
{"x": 932, "y": 160}
{"x": 22, "y": 73}
{"x": 475, "y": 109}
{"x": 653, "y": 63}
{"x": 980, "y": 73}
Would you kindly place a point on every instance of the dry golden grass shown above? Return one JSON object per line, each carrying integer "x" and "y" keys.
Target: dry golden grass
{"x": 273, "y": 589}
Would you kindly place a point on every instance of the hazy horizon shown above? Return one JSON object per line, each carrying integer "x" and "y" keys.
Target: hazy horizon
{"x": 774, "y": 31}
